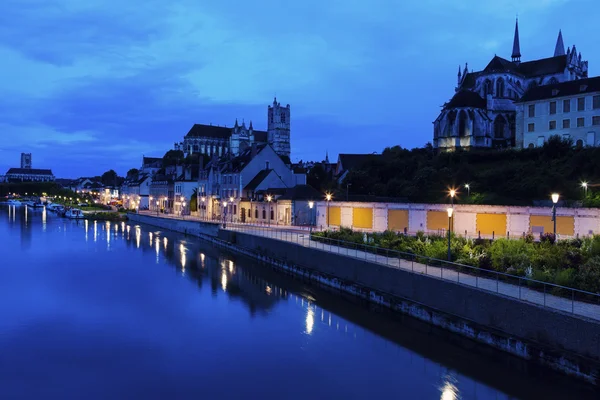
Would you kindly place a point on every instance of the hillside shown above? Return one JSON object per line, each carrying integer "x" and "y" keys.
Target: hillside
{"x": 508, "y": 177}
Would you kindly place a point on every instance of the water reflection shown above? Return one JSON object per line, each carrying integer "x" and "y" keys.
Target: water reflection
{"x": 348, "y": 345}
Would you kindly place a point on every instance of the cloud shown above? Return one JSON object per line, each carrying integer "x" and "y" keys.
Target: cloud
{"x": 90, "y": 83}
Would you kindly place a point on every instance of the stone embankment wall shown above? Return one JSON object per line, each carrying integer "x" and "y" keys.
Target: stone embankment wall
{"x": 559, "y": 340}
{"x": 188, "y": 227}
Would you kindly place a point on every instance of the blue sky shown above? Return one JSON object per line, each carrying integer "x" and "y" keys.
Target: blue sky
{"x": 95, "y": 84}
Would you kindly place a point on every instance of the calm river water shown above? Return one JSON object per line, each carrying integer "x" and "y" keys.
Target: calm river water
{"x": 119, "y": 311}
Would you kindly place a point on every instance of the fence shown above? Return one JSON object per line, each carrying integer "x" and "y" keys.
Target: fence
{"x": 548, "y": 295}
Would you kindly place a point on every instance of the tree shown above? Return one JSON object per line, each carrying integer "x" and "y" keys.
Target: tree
{"x": 109, "y": 178}
{"x": 194, "y": 200}
{"x": 172, "y": 157}
{"x": 132, "y": 173}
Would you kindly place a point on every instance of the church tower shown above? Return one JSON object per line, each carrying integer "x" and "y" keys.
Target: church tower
{"x": 279, "y": 128}
{"x": 516, "y": 53}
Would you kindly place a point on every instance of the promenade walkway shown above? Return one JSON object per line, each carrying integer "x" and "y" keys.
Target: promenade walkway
{"x": 517, "y": 287}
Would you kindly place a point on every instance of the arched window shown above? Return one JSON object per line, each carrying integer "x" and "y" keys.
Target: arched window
{"x": 256, "y": 213}
{"x": 249, "y": 214}
{"x": 450, "y": 125}
{"x": 500, "y": 87}
{"x": 463, "y": 124}
{"x": 264, "y": 214}
{"x": 487, "y": 88}
{"x": 499, "y": 127}
{"x": 272, "y": 214}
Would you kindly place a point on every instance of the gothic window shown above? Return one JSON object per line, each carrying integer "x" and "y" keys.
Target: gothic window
{"x": 195, "y": 148}
{"x": 463, "y": 124}
{"x": 450, "y": 124}
{"x": 282, "y": 117}
{"x": 264, "y": 214}
{"x": 487, "y": 87}
{"x": 500, "y": 87}
{"x": 499, "y": 127}
{"x": 272, "y": 214}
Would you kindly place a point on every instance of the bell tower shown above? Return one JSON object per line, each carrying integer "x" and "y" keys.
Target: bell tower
{"x": 279, "y": 128}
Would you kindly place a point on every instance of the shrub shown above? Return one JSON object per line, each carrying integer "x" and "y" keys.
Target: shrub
{"x": 588, "y": 275}
{"x": 506, "y": 253}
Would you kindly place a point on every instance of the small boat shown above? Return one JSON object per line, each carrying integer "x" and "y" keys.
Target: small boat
{"x": 35, "y": 204}
{"x": 74, "y": 213}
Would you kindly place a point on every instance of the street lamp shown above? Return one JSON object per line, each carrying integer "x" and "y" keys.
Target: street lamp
{"x": 231, "y": 201}
{"x": 584, "y": 185}
{"x": 311, "y": 205}
{"x": 203, "y": 199}
{"x": 468, "y": 187}
{"x": 269, "y": 198}
{"x": 157, "y": 203}
{"x": 452, "y": 194}
{"x": 328, "y": 198}
{"x": 450, "y": 211}
{"x": 183, "y": 208}
{"x": 555, "y": 197}
{"x": 224, "y": 212}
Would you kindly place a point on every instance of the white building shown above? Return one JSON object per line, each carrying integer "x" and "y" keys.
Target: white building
{"x": 482, "y": 112}
{"x": 568, "y": 109}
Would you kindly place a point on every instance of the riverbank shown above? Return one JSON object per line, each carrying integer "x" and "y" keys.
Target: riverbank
{"x": 565, "y": 342}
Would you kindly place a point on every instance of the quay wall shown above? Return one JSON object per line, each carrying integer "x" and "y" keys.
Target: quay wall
{"x": 188, "y": 227}
{"x": 562, "y": 341}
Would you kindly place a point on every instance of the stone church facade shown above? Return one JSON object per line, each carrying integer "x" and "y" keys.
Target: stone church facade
{"x": 211, "y": 140}
{"x": 482, "y": 112}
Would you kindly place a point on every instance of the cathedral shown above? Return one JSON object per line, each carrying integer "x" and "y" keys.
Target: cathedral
{"x": 211, "y": 140}
{"x": 482, "y": 112}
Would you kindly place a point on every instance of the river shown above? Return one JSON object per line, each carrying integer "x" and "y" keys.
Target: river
{"x": 101, "y": 310}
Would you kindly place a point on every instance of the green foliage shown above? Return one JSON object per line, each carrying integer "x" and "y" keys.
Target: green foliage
{"x": 509, "y": 177}
{"x": 173, "y": 157}
{"x": 571, "y": 263}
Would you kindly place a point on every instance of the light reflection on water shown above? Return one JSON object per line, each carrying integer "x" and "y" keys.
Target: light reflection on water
{"x": 229, "y": 317}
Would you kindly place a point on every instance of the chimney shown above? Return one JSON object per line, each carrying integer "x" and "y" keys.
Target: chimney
{"x": 254, "y": 151}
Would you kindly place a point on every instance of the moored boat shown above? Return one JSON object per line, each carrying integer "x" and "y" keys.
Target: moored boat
{"x": 74, "y": 213}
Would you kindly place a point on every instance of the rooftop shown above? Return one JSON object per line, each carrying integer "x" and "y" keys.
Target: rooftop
{"x": 570, "y": 88}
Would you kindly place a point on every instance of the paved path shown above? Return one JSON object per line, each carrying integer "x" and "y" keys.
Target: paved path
{"x": 513, "y": 290}
{"x": 301, "y": 236}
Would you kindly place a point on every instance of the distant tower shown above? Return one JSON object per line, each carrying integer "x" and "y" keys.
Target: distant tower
{"x": 279, "y": 128}
{"x": 516, "y": 53}
{"x": 26, "y": 160}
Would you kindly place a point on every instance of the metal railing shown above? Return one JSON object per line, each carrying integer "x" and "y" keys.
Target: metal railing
{"x": 546, "y": 294}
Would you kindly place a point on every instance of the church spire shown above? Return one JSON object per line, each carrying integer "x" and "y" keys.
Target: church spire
{"x": 560, "y": 46}
{"x": 516, "y": 53}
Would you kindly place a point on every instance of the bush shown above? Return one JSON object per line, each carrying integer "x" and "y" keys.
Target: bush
{"x": 588, "y": 275}
{"x": 506, "y": 253}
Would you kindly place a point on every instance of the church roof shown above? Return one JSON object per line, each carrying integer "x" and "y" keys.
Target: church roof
{"x": 529, "y": 69}
{"x": 29, "y": 171}
{"x": 466, "y": 98}
{"x": 569, "y": 88}
{"x": 220, "y": 132}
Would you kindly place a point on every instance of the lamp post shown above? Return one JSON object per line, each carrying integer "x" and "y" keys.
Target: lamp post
{"x": 450, "y": 211}
{"x": 452, "y": 194}
{"x": 468, "y": 187}
{"x": 231, "y": 201}
{"x": 328, "y": 198}
{"x": 224, "y": 212}
{"x": 310, "y": 222}
{"x": 203, "y": 199}
{"x": 269, "y": 198}
{"x": 584, "y": 185}
{"x": 150, "y": 203}
{"x": 183, "y": 209}
{"x": 157, "y": 204}
{"x": 555, "y": 197}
